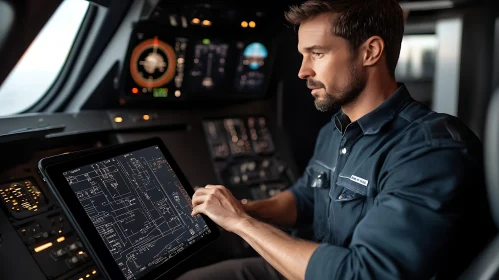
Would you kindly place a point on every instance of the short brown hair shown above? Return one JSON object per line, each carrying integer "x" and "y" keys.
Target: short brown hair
{"x": 358, "y": 21}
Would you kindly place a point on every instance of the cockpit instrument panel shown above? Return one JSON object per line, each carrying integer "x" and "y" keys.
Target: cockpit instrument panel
{"x": 251, "y": 67}
{"x": 174, "y": 64}
{"x": 156, "y": 66}
{"x": 22, "y": 198}
{"x": 207, "y": 71}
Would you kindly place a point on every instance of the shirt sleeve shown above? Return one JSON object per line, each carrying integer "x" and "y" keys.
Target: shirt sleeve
{"x": 302, "y": 192}
{"x": 409, "y": 231}
{"x": 304, "y": 198}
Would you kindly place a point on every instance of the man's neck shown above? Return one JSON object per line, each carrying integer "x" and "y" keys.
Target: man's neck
{"x": 375, "y": 93}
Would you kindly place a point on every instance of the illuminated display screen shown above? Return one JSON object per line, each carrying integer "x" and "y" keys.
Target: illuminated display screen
{"x": 208, "y": 67}
{"x": 156, "y": 67}
{"x": 250, "y": 71}
{"x": 22, "y": 198}
{"x": 139, "y": 207}
{"x": 162, "y": 64}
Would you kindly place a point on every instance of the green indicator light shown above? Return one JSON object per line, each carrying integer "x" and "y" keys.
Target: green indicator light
{"x": 160, "y": 92}
{"x": 206, "y": 41}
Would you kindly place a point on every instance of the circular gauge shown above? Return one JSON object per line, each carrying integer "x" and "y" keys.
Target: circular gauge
{"x": 255, "y": 55}
{"x": 153, "y": 63}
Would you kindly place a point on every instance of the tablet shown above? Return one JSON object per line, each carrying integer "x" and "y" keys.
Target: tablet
{"x": 131, "y": 206}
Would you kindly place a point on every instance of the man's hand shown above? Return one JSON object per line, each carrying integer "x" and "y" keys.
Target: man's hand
{"x": 287, "y": 254}
{"x": 218, "y": 203}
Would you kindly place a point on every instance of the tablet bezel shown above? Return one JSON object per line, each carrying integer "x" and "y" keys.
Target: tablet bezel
{"x": 80, "y": 219}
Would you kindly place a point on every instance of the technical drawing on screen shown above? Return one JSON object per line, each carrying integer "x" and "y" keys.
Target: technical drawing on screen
{"x": 139, "y": 207}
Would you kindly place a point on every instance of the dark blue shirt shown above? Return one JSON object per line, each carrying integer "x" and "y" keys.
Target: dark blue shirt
{"x": 396, "y": 194}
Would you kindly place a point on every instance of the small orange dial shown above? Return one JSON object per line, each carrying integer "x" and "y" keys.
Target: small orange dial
{"x": 153, "y": 63}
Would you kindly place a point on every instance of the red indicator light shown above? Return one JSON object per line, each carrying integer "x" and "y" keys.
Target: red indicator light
{"x": 135, "y": 90}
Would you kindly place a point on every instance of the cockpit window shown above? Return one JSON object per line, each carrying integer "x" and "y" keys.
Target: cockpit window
{"x": 42, "y": 62}
{"x": 417, "y": 57}
{"x": 417, "y": 66}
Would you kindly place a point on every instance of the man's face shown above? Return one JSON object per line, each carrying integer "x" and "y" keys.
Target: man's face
{"x": 332, "y": 70}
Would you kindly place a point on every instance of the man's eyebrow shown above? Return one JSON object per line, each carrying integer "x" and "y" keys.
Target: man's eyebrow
{"x": 314, "y": 48}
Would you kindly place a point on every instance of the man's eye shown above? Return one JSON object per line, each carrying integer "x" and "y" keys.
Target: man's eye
{"x": 318, "y": 55}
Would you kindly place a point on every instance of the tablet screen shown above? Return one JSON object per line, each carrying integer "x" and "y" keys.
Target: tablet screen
{"x": 139, "y": 208}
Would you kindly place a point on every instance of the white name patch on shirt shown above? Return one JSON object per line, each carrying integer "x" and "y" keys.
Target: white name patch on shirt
{"x": 359, "y": 180}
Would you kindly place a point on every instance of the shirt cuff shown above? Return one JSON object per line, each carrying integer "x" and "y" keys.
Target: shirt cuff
{"x": 326, "y": 261}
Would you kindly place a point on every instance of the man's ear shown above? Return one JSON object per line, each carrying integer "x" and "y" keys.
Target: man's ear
{"x": 373, "y": 50}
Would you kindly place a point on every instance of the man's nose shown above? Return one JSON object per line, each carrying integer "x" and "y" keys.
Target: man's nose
{"x": 305, "y": 71}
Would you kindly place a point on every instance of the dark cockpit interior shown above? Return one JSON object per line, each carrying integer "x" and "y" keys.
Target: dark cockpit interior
{"x": 217, "y": 82}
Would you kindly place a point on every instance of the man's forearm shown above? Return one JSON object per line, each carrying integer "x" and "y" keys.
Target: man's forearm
{"x": 279, "y": 210}
{"x": 290, "y": 256}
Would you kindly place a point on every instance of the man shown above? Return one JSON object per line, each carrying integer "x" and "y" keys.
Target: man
{"x": 394, "y": 190}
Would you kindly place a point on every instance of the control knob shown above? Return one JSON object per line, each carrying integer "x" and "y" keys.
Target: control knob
{"x": 60, "y": 252}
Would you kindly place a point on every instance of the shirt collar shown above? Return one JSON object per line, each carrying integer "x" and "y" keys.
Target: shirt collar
{"x": 372, "y": 122}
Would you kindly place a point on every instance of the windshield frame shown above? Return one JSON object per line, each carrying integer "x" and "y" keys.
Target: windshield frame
{"x": 63, "y": 75}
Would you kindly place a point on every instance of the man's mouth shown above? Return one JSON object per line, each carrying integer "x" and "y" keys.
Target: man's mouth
{"x": 313, "y": 90}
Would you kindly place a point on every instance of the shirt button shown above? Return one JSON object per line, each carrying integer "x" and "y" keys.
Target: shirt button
{"x": 343, "y": 151}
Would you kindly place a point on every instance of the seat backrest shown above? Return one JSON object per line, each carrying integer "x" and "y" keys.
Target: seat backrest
{"x": 486, "y": 265}
{"x": 491, "y": 155}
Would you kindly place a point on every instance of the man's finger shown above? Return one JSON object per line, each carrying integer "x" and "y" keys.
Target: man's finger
{"x": 219, "y": 187}
{"x": 201, "y": 191}
{"x": 199, "y": 199}
{"x": 198, "y": 210}
{"x": 208, "y": 189}
{"x": 204, "y": 198}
